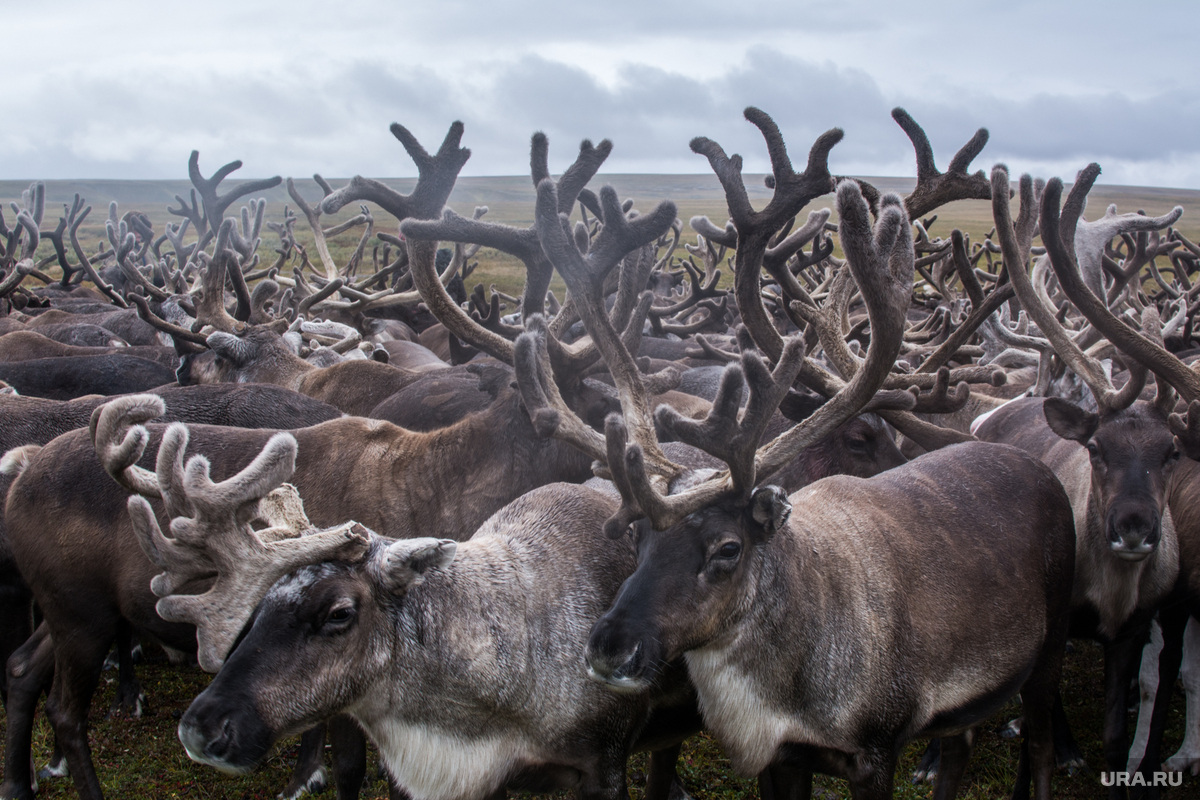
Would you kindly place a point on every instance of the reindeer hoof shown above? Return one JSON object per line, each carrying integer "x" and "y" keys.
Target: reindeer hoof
{"x": 316, "y": 783}
{"x": 927, "y": 767}
{"x": 1012, "y": 730}
{"x": 1181, "y": 762}
{"x": 55, "y": 769}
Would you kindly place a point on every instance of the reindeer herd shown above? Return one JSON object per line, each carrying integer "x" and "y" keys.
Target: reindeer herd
{"x": 851, "y": 501}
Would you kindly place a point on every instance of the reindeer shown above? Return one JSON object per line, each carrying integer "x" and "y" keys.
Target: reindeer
{"x": 1116, "y": 463}
{"x": 834, "y": 672}
{"x": 430, "y": 644}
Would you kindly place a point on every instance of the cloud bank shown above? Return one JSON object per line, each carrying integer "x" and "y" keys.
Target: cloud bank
{"x": 313, "y": 89}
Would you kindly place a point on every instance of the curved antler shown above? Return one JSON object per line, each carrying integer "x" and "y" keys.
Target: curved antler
{"x": 217, "y": 538}
{"x": 1058, "y": 227}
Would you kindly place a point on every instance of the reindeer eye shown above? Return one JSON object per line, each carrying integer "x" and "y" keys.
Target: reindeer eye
{"x": 729, "y": 550}
{"x": 340, "y": 617}
{"x": 858, "y": 444}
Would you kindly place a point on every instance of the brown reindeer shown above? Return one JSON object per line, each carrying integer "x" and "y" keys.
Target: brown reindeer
{"x": 1115, "y": 464}
{"x": 834, "y": 672}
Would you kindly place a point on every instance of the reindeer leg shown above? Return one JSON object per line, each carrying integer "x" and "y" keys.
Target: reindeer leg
{"x": 77, "y": 661}
{"x": 1067, "y": 754}
{"x": 309, "y": 775}
{"x": 1120, "y": 660}
{"x": 873, "y": 773}
{"x": 1160, "y": 667}
{"x": 955, "y": 752}
{"x": 1040, "y": 698}
{"x": 30, "y": 670}
{"x": 1187, "y": 758}
{"x": 662, "y": 781}
{"x": 130, "y": 699}
{"x": 15, "y": 621}
{"x": 785, "y": 782}
{"x": 349, "y": 746}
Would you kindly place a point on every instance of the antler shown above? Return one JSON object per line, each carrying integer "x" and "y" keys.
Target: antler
{"x": 1059, "y": 227}
{"x": 214, "y": 204}
{"x": 936, "y": 188}
{"x": 211, "y": 531}
{"x": 881, "y": 262}
{"x": 1015, "y": 242}
{"x": 756, "y": 229}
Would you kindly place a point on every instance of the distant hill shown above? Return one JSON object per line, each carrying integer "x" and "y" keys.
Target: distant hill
{"x": 511, "y": 198}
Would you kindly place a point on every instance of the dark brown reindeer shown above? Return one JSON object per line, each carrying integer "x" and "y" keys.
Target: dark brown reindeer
{"x": 1148, "y": 351}
{"x": 1115, "y": 463}
{"x": 845, "y": 660}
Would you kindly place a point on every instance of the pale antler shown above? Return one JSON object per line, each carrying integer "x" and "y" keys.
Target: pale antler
{"x": 1059, "y": 227}
{"x": 217, "y": 538}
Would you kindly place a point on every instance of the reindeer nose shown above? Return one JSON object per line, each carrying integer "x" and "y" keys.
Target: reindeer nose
{"x": 614, "y": 660}
{"x": 1133, "y": 531}
{"x": 197, "y": 744}
{"x": 229, "y": 740}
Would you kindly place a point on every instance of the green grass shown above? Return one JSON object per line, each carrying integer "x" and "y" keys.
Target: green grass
{"x": 143, "y": 758}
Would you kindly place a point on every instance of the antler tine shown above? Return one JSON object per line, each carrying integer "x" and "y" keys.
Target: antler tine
{"x": 721, "y": 433}
{"x": 78, "y": 215}
{"x": 881, "y": 260}
{"x": 639, "y": 498}
{"x": 312, "y": 214}
{"x": 219, "y": 539}
{"x": 1015, "y": 260}
{"x": 939, "y": 399}
{"x": 119, "y": 438}
{"x": 174, "y": 331}
{"x": 549, "y": 412}
{"x": 1057, "y": 227}
{"x": 436, "y": 177}
{"x": 936, "y": 188}
{"x": 1186, "y": 428}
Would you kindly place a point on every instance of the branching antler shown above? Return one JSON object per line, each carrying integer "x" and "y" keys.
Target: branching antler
{"x": 1059, "y": 227}
{"x": 935, "y": 188}
{"x": 211, "y": 531}
{"x": 214, "y": 204}
{"x": 756, "y": 229}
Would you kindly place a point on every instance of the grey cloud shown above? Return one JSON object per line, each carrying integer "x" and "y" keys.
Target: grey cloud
{"x": 298, "y": 117}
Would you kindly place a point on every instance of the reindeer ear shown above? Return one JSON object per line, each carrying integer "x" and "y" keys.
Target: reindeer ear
{"x": 1069, "y": 420}
{"x": 234, "y": 348}
{"x": 770, "y": 508}
{"x": 404, "y": 563}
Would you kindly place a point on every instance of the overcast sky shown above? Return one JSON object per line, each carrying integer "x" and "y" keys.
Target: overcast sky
{"x": 126, "y": 89}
